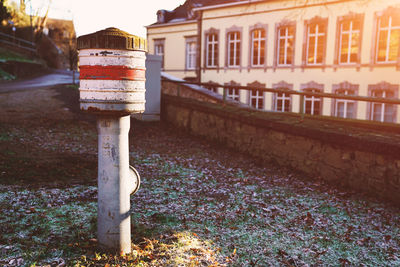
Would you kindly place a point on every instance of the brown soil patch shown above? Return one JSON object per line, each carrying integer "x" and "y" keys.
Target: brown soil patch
{"x": 45, "y": 139}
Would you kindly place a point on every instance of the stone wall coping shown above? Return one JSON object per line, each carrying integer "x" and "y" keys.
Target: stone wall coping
{"x": 201, "y": 90}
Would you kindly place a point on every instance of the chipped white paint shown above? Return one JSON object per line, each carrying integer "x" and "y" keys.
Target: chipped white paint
{"x": 124, "y": 93}
{"x": 108, "y": 57}
{"x": 118, "y": 85}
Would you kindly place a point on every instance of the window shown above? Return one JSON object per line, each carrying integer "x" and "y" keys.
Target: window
{"x": 388, "y": 38}
{"x": 349, "y": 39}
{"x": 312, "y": 104}
{"x": 285, "y": 45}
{"x": 211, "y": 53}
{"x": 232, "y": 93}
{"x": 159, "y": 49}
{"x": 345, "y": 108}
{"x": 161, "y": 16}
{"x": 381, "y": 111}
{"x": 212, "y": 86}
{"x": 258, "y": 47}
{"x": 65, "y": 34}
{"x": 256, "y": 97}
{"x": 315, "y": 41}
{"x": 282, "y": 101}
{"x": 233, "y": 43}
{"x": 191, "y": 53}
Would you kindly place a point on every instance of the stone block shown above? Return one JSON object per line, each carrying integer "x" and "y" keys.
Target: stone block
{"x": 380, "y": 160}
{"x": 362, "y": 171}
{"x": 332, "y": 156}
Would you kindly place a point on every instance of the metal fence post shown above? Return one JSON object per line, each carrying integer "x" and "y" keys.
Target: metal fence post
{"x": 224, "y": 95}
{"x": 302, "y": 106}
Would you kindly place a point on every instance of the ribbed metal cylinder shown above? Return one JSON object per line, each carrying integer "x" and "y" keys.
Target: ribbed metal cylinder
{"x": 112, "y": 72}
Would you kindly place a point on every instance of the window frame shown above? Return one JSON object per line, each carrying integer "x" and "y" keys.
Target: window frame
{"x": 389, "y": 11}
{"x": 338, "y": 46}
{"x": 345, "y": 86}
{"x": 282, "y": 84}
{"x": 386, "y": 87}
{"x": 157, "y": 43}
{"x": 207, "y": 33}
{"x": 233, "y": 96}
{"x": 212, "y": 88}
{"x": 319, "y": 21}
{"x": 312, "y": 86}
{"x": 257, "y": 97}
{"x": 239, "y": 30}
{"x": 227, "y": 91}
{"x": 253, "y": 28}
{"x": 188, "y": 40}
{"x": 278, "y": 26}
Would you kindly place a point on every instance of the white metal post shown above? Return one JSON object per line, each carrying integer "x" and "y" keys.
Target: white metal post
{"x": 112, "y": 86}
{"x": 114, "y": 182}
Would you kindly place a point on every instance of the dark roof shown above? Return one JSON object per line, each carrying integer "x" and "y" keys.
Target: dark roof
{"x": 184, "y": 11}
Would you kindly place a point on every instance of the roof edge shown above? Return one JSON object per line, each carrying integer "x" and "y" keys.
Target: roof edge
{"x": 227, "y": 5}
{"x": 170, "y": 23}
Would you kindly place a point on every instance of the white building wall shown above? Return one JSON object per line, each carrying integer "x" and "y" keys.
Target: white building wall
{"x": 270, "y": 13}
{"x": 174, "y": 38}
{"x": 274, "y": 12}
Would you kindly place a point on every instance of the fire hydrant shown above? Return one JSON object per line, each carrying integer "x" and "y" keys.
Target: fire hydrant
{"x": 112, "y": 86}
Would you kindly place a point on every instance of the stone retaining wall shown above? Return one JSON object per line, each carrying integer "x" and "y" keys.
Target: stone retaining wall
{"x": 182, "y": 90}
{"x": 358, "y": 156}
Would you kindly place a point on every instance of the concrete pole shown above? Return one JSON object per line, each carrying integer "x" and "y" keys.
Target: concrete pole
{"x": 114, "y": 182}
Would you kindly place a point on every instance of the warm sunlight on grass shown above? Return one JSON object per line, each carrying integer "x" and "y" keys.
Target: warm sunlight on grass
{"x": 51, "y": 226}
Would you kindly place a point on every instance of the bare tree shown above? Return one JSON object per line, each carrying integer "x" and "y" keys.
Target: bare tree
{"x": 4, "y": 13}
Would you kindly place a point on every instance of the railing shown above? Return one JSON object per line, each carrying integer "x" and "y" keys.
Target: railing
{"x": 302, "y": 94}
{"x": 20, "y": 43}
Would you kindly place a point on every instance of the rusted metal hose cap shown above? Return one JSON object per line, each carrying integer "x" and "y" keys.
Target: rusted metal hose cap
{"x": 112, "y": 38}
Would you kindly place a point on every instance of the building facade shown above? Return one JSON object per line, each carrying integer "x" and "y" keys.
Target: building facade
{"x": 343, "y": 47}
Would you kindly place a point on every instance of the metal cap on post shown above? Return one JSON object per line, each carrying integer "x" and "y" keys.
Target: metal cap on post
{"x": 112, "y": 86}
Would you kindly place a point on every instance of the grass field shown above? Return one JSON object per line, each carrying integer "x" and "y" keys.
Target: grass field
{"x": 199, "y": 204}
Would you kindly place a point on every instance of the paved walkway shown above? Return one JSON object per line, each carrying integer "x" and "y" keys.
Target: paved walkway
{"x": 53, "y": 78}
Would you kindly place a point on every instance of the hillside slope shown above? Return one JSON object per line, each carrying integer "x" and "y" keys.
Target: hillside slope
{"x": 14, "y": 65}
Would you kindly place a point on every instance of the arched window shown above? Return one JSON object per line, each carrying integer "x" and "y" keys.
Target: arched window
{"x": 312, "y": 104}
{"x": 234, "y": 46}
{"x": 282, "y": 101}
{"x": 381, "y": 111}
{"x": 315, "y": 45}
{"x": 232, "y": 93}
{"x": 388, "y": 36}
{"x": 256, "y": 97}
{"x": 258, "y": 39}
{"x": 285, "y": 44}
{"x": 211, "y": 48}
{"x": 345, "y": 108}
{"x": 348, "y": 41}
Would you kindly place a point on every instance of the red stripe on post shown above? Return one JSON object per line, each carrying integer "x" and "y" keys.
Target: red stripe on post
{"x": 111, "y": 73}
